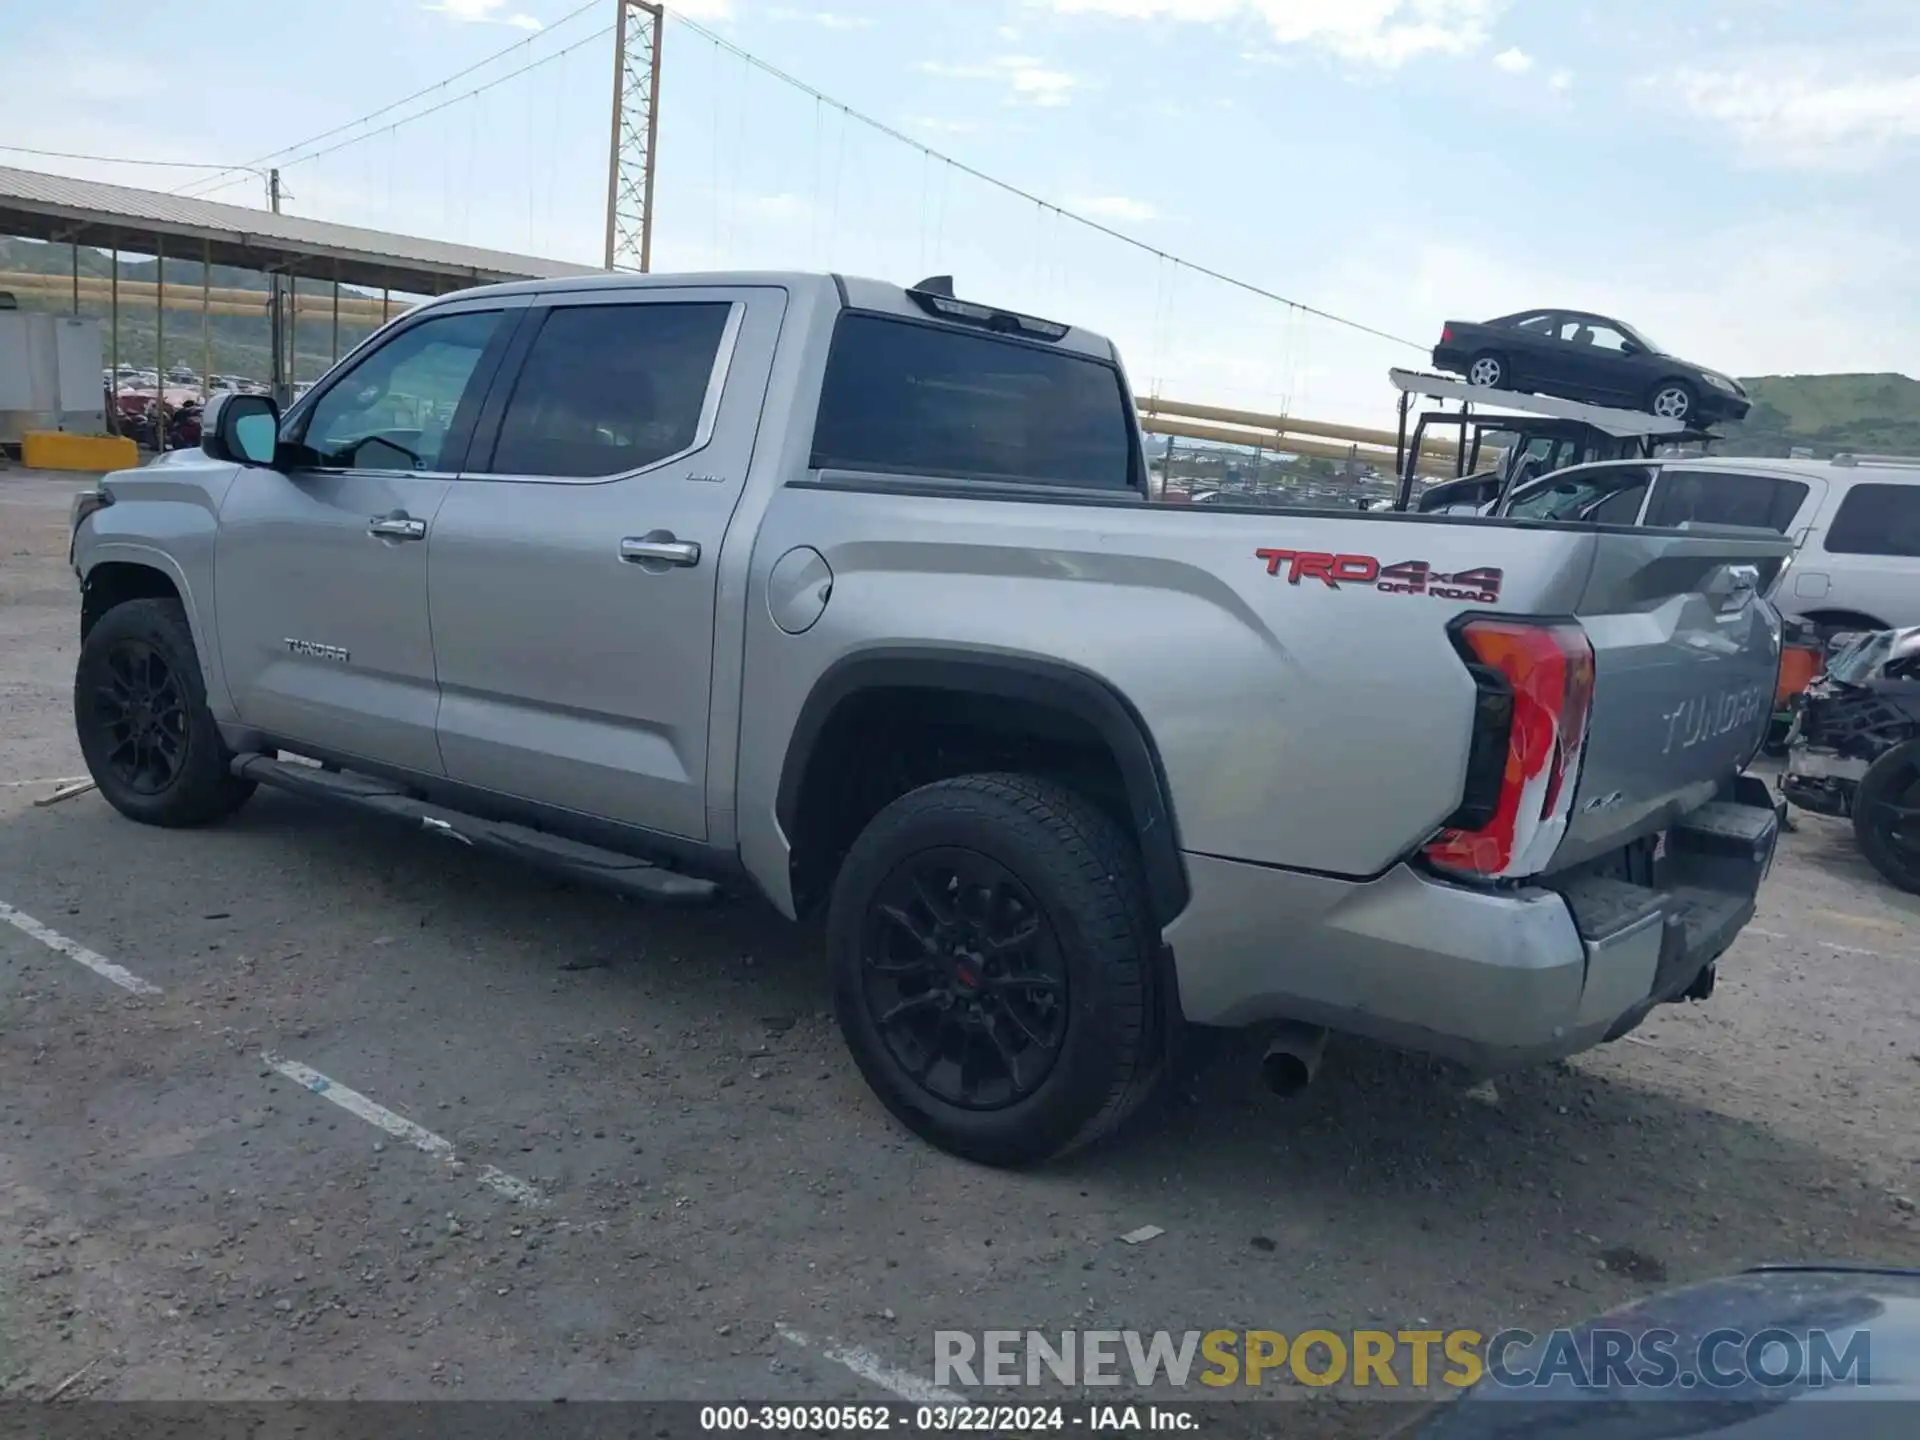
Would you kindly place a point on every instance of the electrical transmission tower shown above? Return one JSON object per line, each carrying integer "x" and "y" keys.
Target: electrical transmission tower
{"x": 636, "y": 130}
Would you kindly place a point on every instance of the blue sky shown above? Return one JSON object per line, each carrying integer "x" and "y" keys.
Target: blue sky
{"x": 1737, "y": 177}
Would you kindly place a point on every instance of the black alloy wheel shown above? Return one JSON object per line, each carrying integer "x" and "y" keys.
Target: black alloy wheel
{"x": 1886, "y": 815}
{"x": 995, "y": 967}
{"x": 140, "y": 712}
{"x": 964, "y": 979}
{"x": 141, "y": 709}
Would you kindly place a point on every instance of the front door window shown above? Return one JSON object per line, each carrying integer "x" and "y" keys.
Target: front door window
{"x": 395, "y": 409}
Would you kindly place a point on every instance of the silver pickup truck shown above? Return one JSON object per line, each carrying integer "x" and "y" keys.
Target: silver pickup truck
{"x": 857, "y": 596}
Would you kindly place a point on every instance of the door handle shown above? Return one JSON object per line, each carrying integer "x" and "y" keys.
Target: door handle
{"x": 659, "y": 547}
{"x": 397, "y": 526}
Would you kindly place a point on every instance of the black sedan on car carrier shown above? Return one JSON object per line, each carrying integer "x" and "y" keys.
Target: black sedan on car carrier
{"x": 1580, "y": 356}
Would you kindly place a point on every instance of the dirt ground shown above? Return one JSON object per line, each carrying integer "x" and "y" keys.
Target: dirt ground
{"x": 724, "y": 1212}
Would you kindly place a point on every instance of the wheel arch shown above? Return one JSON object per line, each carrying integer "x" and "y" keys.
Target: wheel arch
{"x": 1843, "y": 619}
{"x": 1072, "y": 705}
{"x": 115, "y": 580}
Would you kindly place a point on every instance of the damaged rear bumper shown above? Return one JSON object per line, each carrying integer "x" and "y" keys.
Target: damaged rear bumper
{"x": 1491, "y": 978}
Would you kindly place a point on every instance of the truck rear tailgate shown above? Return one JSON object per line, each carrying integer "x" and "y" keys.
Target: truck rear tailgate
{"x": 1686, "y": 654}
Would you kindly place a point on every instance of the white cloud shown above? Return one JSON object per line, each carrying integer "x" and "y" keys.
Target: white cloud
{"x": 1560, "y": 80}
{"x": 1113, "y": 207}
{"x": 1514, "y": 61}
{"x": 1387, "y": 33}
{"x": 825, "y": 19}
{"x": 1793, "y": 111}
{"x": 482, "y": 12}
{"x": 1028, "y": 81}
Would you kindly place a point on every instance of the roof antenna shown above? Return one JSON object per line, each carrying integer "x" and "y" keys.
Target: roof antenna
{"x": 941, "y": 285}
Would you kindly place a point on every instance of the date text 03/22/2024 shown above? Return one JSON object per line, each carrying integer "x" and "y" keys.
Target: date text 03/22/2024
{"x": 961, "y": 1418}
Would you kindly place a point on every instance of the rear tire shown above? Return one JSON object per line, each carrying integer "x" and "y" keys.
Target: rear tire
{"x": 1488, "y": 371}
{"x": 140, "y": 710}
{"x": 1890, "y": 786}
{"x": 1055, "y": 1023}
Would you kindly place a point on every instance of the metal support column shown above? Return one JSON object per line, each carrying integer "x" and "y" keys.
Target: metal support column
{"x": 206, "y": 318}
{"x": 1403, "y": 496}
{"x": 160, "y": 340}
{"x": 73, "y": 245}
{"x": 113, "y": 327}
{"x": 336, "y": 315}
{"x": 276, "y": 317}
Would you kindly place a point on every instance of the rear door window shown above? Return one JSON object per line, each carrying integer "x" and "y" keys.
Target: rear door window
{"x": 1725, "y": 497}
{"x": 1877, "y": 520}
{"x": 608, "y": 389}
{"x": 906, "y": 398}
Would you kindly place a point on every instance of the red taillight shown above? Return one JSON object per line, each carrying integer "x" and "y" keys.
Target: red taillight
{"x": 1550, "y": 667}
{"x": 1446, "y": 334}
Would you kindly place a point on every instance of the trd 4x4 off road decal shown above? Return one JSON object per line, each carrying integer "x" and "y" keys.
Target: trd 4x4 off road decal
{"x": 1409, "y": 577}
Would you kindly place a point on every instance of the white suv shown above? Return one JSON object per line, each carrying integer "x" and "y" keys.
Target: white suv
{"x": 1857, "y": 522}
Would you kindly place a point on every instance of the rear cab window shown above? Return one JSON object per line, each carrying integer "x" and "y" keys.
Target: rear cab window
{"x": 916, "y": 398}
{"x": 1877, "y": 520}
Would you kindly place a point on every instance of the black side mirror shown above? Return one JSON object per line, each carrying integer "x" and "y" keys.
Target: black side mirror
{"x": 1629, "y": 349}
{"x": 243, "y": 429}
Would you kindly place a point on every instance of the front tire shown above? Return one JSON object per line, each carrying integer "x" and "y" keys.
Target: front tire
{"x": 1673, "y": 400}
{"x": 140, "y": 710}
{"x": 993, "y": 967}
{"x": 1886, "y": 816}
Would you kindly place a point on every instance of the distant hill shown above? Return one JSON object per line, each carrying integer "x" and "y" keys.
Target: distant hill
{"x": 1867, "y": 414}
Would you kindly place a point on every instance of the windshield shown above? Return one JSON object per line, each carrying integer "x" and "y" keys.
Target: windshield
{"x": 1580, "y": 495}
{"x": 1644, "y": 341}
{"x": 1863, "y": 660}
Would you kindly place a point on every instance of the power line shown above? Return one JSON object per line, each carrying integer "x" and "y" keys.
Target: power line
{"x": 118, "y": 159}
{"x": 891, "y": 133}
{"x": 273, "y": 155}
{"x": 450, "y": 100}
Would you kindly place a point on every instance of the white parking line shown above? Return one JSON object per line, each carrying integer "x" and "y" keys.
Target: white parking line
{"x": 875, "y": 1371}
{"x": 348, "y": 1099}
{"x": 74, "y": 950}
{"x": 398, "y": 1126}
{"x": 1850, "y": 949}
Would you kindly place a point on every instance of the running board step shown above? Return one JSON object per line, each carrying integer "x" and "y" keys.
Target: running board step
{"x": 588, "y": 863}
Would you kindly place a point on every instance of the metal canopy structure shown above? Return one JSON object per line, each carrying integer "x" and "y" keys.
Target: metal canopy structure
{"x": 38, "y": 206}
{"x": 1573, "y": 432}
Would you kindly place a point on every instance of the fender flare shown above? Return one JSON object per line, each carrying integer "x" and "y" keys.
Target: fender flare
{"x": 144, "y": 557}
{"x": 1050, "y": 683}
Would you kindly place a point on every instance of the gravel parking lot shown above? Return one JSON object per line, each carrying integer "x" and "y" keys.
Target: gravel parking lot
{"x": 624, "y": 1154}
